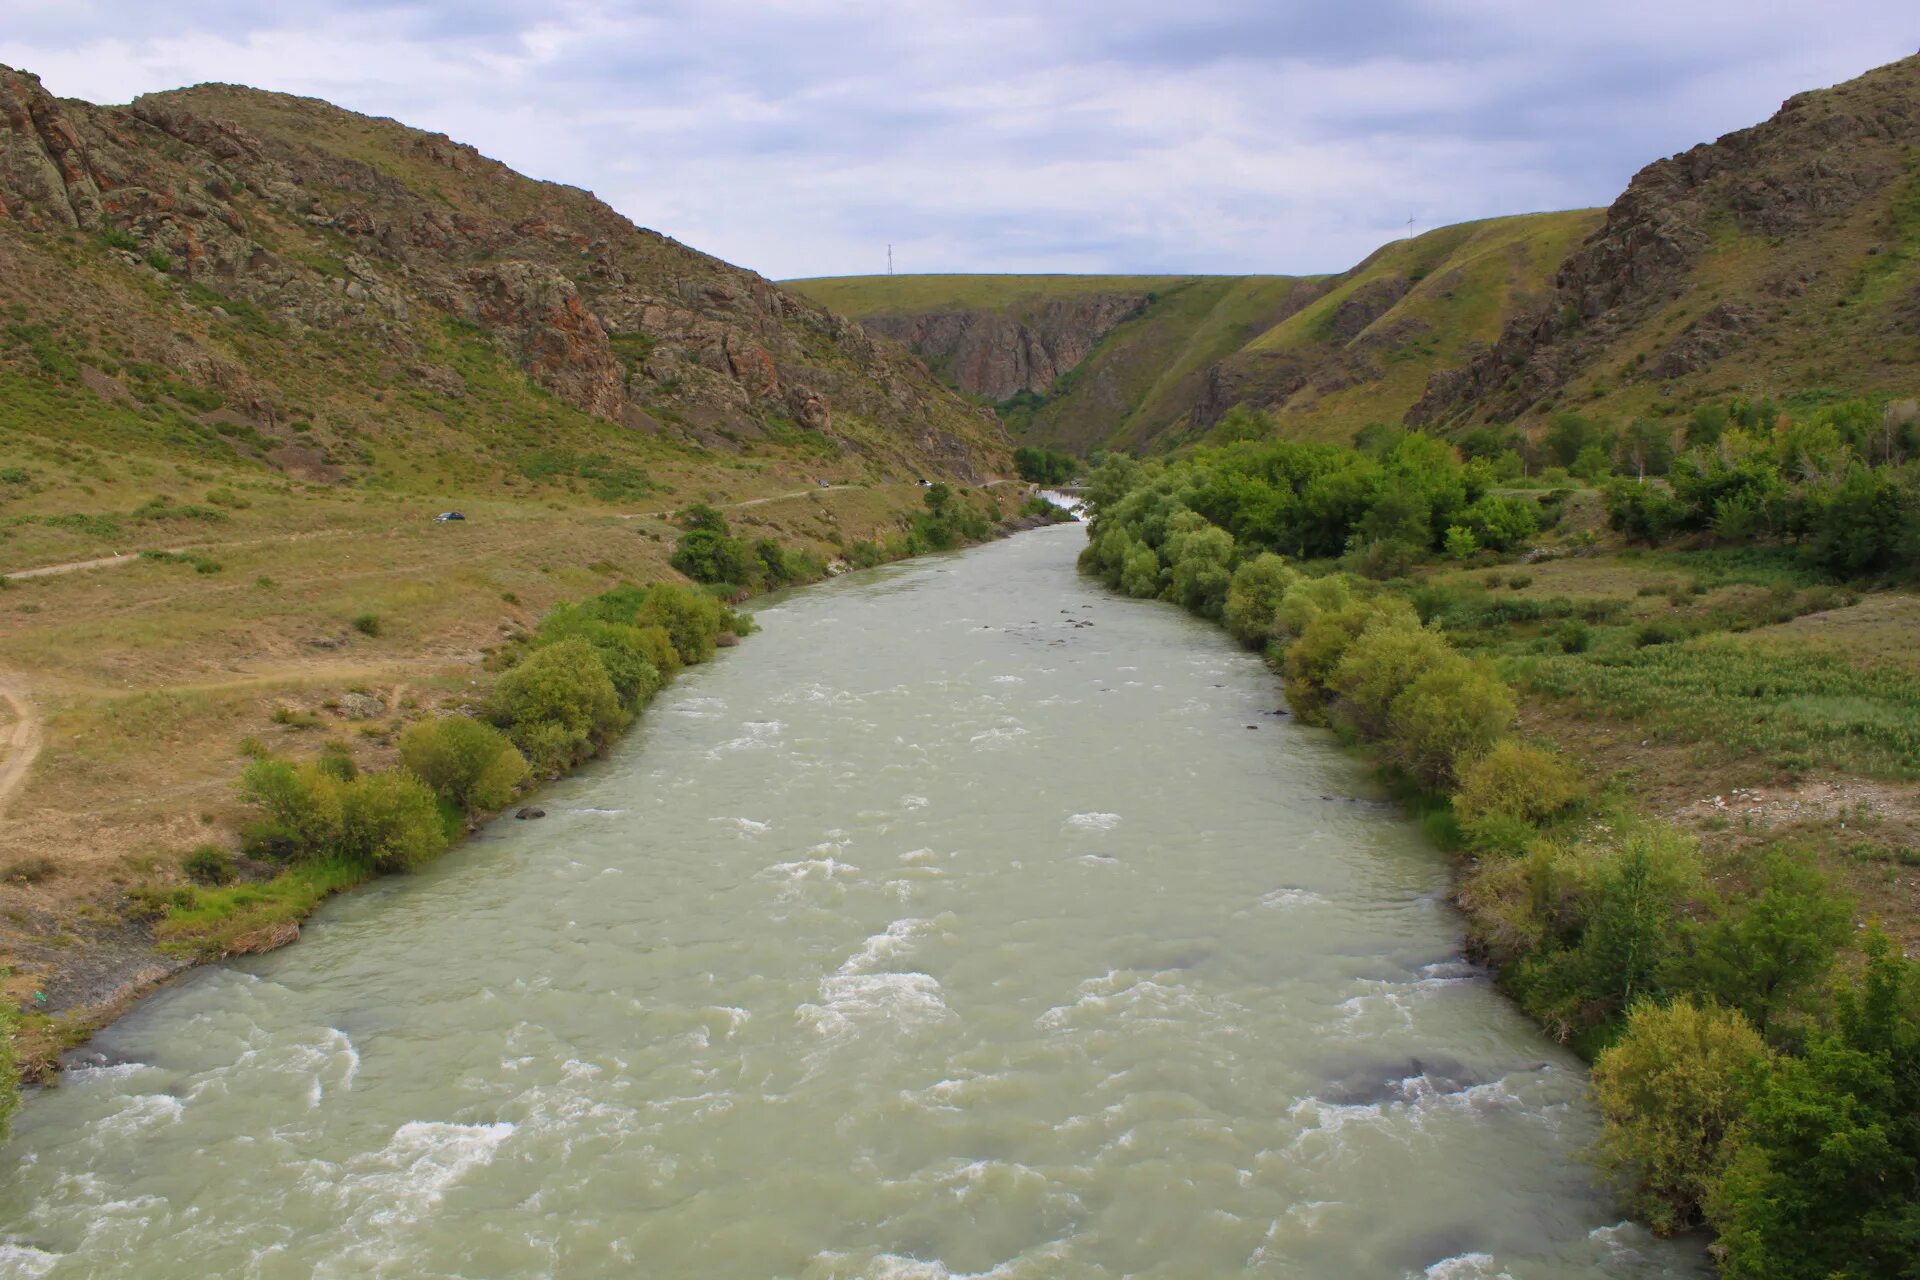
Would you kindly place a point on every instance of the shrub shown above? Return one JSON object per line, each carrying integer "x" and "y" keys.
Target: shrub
{"x": 470, "y": 763}
{"x": 1648, "y": 634}
{"x": 1461, "y": 544}
{"x": 1378, "y": 667}
{"x": 1140, "y": 576}
{"x": 634, "y": 678}
{"x": 692, "y": 619}
{"x": 367, "y": 624}
{"x": 390, "y": 822}
{"x": 300, "y": 808}
{"x": 1307, "y": 600}
{"x": 1448, "y": 718}
{"x": 209, "y": 865}
{"x": 559, "y": 706}
{"x": 1573, "y": 636}
{"x": 1517, "y": 779}
{"x": 1312, "y": 659}
{"x": 1825, "y": 1180}
{"x": 1670, "y": 1094}
{"x": 1761, "y": 957}
{"x": 1253, "y": 595}
{"x": 28, "y": 871}
{"x": 1198, "y": 554}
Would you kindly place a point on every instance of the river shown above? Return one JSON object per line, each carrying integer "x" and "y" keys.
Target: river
{"x": 966, "y": 921}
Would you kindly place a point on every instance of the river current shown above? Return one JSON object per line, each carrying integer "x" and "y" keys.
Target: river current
{"x": 967, "y": 921}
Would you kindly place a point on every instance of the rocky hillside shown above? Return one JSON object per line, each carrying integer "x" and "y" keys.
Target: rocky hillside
{"x": 1364, "y": 348}
{"x": 1150, "y": 361}
{"x": 1781, "y": 259}
{"x": 1080, "y": 361}
{"x": 255, "y": 275}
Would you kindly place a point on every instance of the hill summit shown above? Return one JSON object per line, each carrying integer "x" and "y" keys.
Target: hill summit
{"x": 320, "y": 283}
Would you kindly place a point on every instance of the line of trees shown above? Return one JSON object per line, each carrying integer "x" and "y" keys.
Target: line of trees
{"x": 1757, "y": 1060}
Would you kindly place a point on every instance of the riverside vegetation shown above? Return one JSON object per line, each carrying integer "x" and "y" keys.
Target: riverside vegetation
{"x": 1756, "y": 1053}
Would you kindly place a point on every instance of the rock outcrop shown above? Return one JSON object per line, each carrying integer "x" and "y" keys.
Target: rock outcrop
{"x": 1776, "y": 225}
{"x": 994, "y": 355}
{"x": 297, "y": 216}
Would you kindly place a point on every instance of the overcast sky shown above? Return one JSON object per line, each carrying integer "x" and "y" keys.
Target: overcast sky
{"x": 800, "y": 137}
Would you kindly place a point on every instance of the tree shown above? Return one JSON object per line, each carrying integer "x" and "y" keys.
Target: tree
{"x": 1254, "y": 594}
{"x": 558, "y": 705}
{"x": 1761, "y": 957}
{"x": 470, "y": 763}
{"x": 1671, "y": 1092}
{"x": 1826, "y": 1182}
{"x": 389, "y": 821}
{"x": 1447, "y": 718}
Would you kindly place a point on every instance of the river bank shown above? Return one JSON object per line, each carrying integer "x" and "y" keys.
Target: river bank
{"x": 154, "y": 770}
{"x": 809, "y": 977}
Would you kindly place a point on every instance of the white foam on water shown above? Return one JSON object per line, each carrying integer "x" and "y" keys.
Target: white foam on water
{"x": 25, "y": 1261}
{"x": 851, "y": 1000}
{"x": 1129, "y": 999}
{"x": 827, "y": 868}
{"x": 1009, "y": 680}
{"x": 698, "y": 708}
{"x": 919, "y": 856}
{"x": 141, "y": 1112}
{"x": 1291, "y": 898}
{"x": 407, "y": 1179}
{"x": 599, "y": 813}
{"x": 913, "y": 802}
{"x": 1097, "y": 860}
{"x": 1094, "y": 821}
{"x": 880, "y": 948}
{"x": 996, "y": 738}
{"x": 760, "y": 734}
{"x": 1466, "y": 1266}
{"x": 76, "y": 1076}
{"x": 745, "y": 826}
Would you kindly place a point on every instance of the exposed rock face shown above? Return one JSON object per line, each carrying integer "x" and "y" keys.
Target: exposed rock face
{"x": 1824, "y": 161}
{"x": 323, "y": 219}
{"x": 995, "y": 355}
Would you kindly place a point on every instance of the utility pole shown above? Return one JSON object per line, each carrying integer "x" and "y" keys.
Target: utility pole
{"x": 1409, "y": 224}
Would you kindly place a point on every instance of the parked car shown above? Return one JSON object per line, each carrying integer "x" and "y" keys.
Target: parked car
{"x": 445, "y": 516}
{"x": 825, "y": 485}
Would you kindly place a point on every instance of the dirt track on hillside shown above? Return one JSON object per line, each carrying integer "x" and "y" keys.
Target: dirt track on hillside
{"x": 20, "y": 739}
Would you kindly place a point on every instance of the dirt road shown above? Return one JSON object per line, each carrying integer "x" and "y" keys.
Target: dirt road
{"x": 19, "y": 739}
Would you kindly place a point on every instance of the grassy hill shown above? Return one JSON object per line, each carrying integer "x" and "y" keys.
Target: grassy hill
{"x": 1139, "y": 345}
{"x": 1326, "y": 354}
{"x": 1780, "y": 261}
{"x": 250, "y": 346}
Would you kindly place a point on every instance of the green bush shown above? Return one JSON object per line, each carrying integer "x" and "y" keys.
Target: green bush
{"x": 1312, "y": 658}
{"x": 619, "y": 647}
{"x": 1765, "y": 955}
{"x": 300, "y": 809}
{"x": 1671, "y": 1092}
{"x": 1198, "y": 556}
{"x": 1378, "y": 667}
{"x": 1573, "y": 636}
{"x": 1825, "y": 1181}
{"x": 1141, "y": 576}
{"x": 367, "y": 624}
{"x": 470, "y": 763}
{"x": 692, "y": 619}
{"x": 1521, "y": 781}
{"x": 559, "y": 706}
{"x": 391, "y": 822}
{"x": 209, "y": 865}
{"x": 1446, "y": 719}
{"x": 1307, "y": 599}
{"x": 1253, "y": 594}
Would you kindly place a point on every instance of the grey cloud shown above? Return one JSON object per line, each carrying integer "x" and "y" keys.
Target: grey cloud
{"x": 1218, "y": 135}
